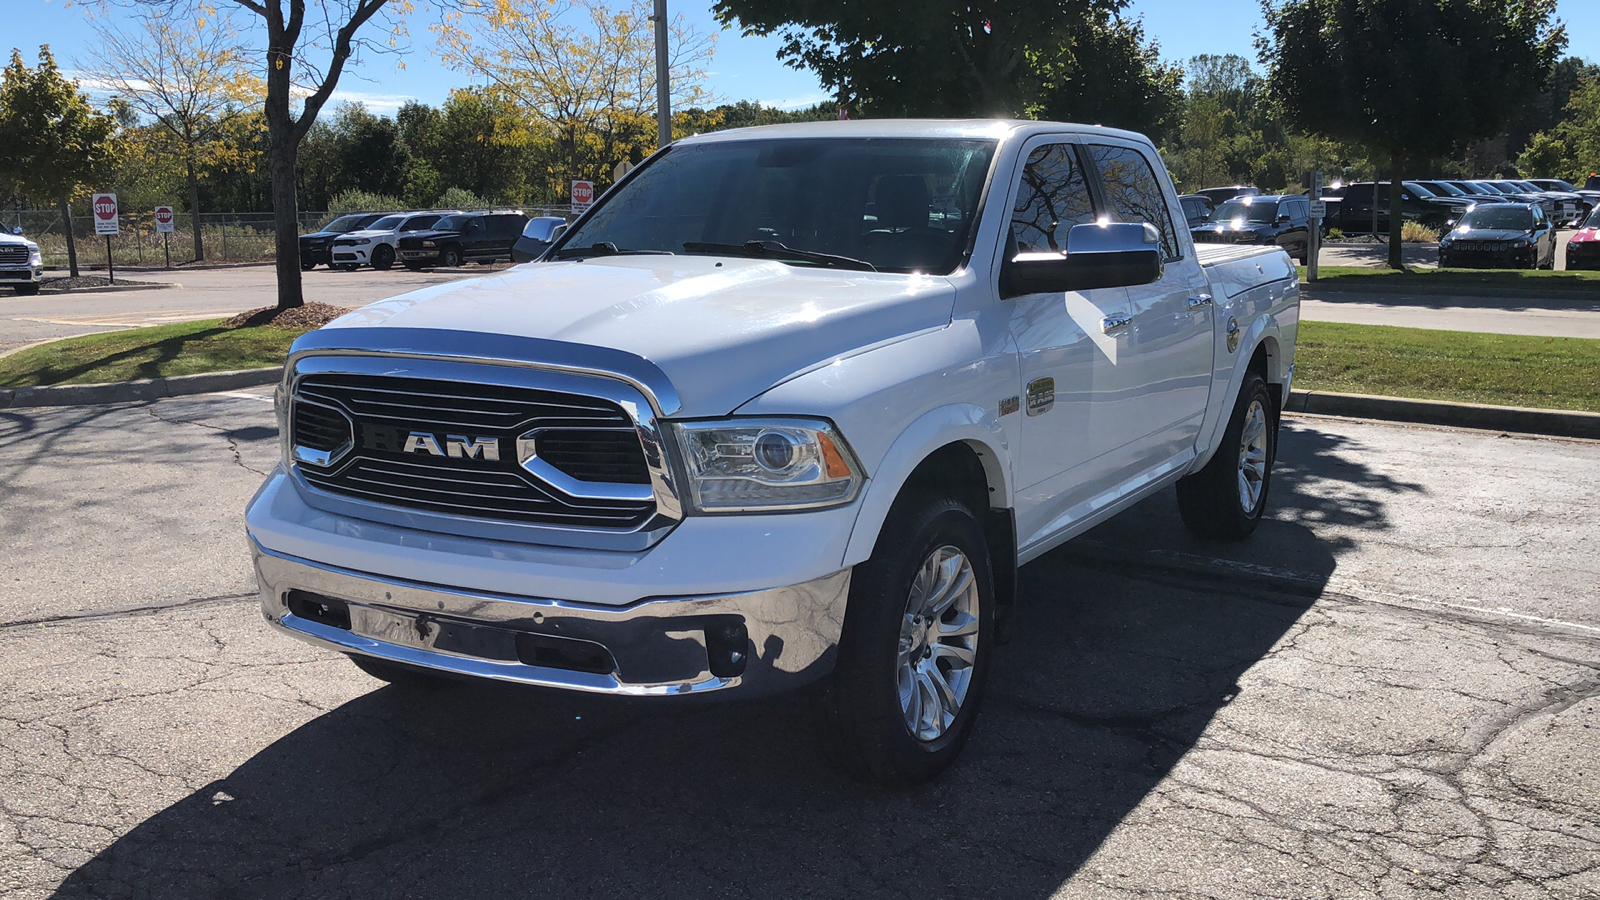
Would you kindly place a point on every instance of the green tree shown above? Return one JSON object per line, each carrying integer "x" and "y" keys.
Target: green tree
{"x": 53, "y": 142}
{"x": 1412, "y": 79}
{"x": 1572, "y": 148}
{"x": 1067, "y": 58}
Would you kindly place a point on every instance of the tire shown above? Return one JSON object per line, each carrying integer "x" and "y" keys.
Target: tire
{"x": 27, "y": 290}
{"x": 876, "y": 712}
{"x": 383, "y": 257}
{"x": 403, "y": 676}
{"x": 449, "y": 258}
{"x": 1216, "y": 502}
{"x": 307, "y": 265}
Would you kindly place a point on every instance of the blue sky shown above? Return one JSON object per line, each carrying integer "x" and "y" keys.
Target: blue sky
{"x": 744, "y": 68}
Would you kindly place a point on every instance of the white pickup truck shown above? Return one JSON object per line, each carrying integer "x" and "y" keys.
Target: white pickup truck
{"x": 788, "y": 404}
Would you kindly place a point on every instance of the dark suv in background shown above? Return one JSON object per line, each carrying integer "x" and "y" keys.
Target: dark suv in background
{"x": 1281, "y": 219}
{"x": 481, "y": 237}
{"x": 317, "y": 247}
{"x": 1417, "y": 204}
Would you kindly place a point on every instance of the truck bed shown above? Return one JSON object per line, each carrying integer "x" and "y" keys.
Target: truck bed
{"x": 1234, "y": 269}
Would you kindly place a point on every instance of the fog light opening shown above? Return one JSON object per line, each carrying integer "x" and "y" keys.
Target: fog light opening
{"x": 728, "y": 648}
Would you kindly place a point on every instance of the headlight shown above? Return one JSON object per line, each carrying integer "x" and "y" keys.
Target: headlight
{"x": 755, "y": 465}
{"x": 34, "y": 259}
{"x": 429, "y": 244}
{"x": 362, "y": 242}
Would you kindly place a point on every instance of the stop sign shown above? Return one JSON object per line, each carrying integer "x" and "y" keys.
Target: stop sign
{"x": 582, "y": 193}
{"x": 105, "y": 214}
{"x": 163, "y": 219}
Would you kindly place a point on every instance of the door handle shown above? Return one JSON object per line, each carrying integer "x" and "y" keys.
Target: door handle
{"x": 1199, "y": 300}
{"x": 1112, "y": 324}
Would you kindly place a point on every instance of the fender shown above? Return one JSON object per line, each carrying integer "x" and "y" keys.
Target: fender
{"x": 1264, "y": 329}
{"x": 955, "y": 423}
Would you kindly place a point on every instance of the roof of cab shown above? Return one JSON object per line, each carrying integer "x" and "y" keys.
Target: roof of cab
{"x": 908, "y": 128}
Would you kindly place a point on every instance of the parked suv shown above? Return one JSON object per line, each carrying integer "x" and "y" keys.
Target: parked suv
{"x": 1417, "y": 204}
{"x": 1501, "y": 236}
{"x": 317, "y": 246}
{"x": 375, "y": 243}
{"x": 1284, "y": 220}
{"x": 1196, "y": 209}
{"x": 482, "y": 237}
{"x": 1221, "y": 194}
{"x": 20, "y": 265}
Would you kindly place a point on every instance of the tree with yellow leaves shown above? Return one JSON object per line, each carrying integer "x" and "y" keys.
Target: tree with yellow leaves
{"x": 189, "y": 72}
{"x": 582, "y": 70}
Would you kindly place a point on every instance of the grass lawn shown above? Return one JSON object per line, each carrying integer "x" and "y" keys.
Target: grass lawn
{"x": 1505, "y": 370}
{"x": 1498, "y": 369}
{"x": 1531, "y": 280}
{"x": 183, "y": 348}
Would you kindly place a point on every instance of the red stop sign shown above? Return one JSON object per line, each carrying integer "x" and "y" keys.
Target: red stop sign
{"x": 164, "y": 215}
{"x": 105, "y": 207}
{"x": 582, "y": 193}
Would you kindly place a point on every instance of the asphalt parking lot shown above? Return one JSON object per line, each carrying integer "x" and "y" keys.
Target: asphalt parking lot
{"x": 1392, "y": 691}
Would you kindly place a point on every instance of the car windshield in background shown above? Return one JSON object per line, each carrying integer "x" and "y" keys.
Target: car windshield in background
{"x": 387, "y": 223}
{"x": 345, "y": 223}
{"x": 1506, "y": 218}
{"x": 1246, "y": 208}
{"x": 898, "y": 205}
{"x": 448, "y": 223}
{"x": 1439, "y": 187}
{"x": 1594, "y": 220}
{"x": 1417, "y": 189}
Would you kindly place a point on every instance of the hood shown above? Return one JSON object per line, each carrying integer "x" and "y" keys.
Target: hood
{"x": 16, "y": 239}
{"x": 429, "y": 235}
{"x": 1227, "y": 228}
{"x": 722, "y": 330}
{"x": 1586, "y": 236}
{"x": 1489, "y": 234}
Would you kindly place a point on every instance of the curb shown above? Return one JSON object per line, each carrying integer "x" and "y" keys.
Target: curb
{"x": 147, "y": 389}
{"x": 1427, "y": 290}
{"x": 110, "y": 289}
{"x": 1516, "y": 419}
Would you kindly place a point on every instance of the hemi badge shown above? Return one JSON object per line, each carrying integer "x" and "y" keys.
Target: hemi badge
{"x": 1010, "y": 405}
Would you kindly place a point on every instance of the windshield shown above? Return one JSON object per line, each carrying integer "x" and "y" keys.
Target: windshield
{"x": 1507, "y": 218}
{"x": 1246, "y": 208}
{"x": 1554, "y": 184}
{"x": 1498, "y": 188}
{"x": 901, "y": 205}
{"x": 1440, "y": 187}
{"x": 1417, "y": 189}
{"x": 387, "y": 223}
{"x": 1594, "y": 220}
{"x": 449, "y": 223}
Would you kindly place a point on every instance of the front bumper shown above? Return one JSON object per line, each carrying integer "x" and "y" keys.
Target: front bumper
{"x": 410, "y": 255}
{"x": 759, "y": 642}
{"x": 1487, "y": 259}
{"x": 21, "y": 274}
{"x": 1585, "y": 259}
{"x": 347, "y": 256}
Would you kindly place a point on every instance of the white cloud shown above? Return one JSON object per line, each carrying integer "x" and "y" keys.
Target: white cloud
{"x": 382, "y": 104}
{"x": 811, "y": 99}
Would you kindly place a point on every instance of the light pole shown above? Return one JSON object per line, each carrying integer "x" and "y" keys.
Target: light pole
{"x": 663, "y": 85}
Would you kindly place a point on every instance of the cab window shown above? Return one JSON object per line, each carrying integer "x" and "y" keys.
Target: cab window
{"x": 1053, "y": 196}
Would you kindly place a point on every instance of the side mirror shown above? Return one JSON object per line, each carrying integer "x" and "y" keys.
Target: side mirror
{"x": 1110, "y": 255}
{"x": 16, "y": 229}
{"x": 544, "y": 229}
{"x": 537, "y": 236}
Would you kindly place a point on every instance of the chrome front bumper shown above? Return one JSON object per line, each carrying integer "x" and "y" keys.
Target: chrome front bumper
{"x": 761, "y": 642}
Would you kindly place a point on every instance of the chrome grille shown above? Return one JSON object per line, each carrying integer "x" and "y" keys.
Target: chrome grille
{"x": 589, "y": 439}
{"x": 13, "y": 254}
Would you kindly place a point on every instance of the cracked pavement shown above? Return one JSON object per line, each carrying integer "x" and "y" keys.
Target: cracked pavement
{"x": 1392, "y": 691}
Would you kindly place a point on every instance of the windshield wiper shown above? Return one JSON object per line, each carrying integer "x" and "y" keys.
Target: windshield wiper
{"x": 775, "y": 250}
{"x": 605, "y": 248}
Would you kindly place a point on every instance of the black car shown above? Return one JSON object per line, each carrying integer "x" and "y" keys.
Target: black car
{"x": 1196, "y": 209}
{"x": 481, "y": 237}
{"x": 1501, "y": 236}
{"x": 1593, "y": 184}
{"x": 1417, "y": 204}
{"x": 1221, "y": 194}
{"x": 317, "y": 247}
{"x": 1281, "y": 219}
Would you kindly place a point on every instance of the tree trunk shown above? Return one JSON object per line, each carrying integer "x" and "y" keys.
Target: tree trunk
{"x": 194, "y": 209}
{"x": 286, "y": 223}
{"x": 1396, "y": 215}
{"x": 72, "y": 243}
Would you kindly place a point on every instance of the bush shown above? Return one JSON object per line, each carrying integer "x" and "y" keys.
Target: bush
{"x": 1417, "y": 233}
{"x": 363, "y": 201}
{"x": 461, "y": 198}
{"x": 1335, "y": 234}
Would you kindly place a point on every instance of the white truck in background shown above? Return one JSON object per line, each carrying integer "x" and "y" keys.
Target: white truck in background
{"x": 787, "y": 404}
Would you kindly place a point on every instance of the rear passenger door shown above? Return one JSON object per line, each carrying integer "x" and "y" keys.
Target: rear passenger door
{"x": 1163, "y": 373}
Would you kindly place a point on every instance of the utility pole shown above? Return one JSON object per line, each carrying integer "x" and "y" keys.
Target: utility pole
{"x": 663, "y": 84}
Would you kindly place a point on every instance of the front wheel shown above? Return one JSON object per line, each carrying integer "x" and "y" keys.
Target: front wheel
{"x": 1224, "y": 500}
{"x": 450, "y": 257}
{"x": 914, "y": 655}
{"x": 383, "y": 257}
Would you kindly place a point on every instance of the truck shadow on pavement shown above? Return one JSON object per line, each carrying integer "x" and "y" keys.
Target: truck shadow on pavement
{"x": 1115, "y": 672}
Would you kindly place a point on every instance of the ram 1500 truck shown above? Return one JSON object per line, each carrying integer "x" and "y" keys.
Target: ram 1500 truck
{"x": 787, "y": 404}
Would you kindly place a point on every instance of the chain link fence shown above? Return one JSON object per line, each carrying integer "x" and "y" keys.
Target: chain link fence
{"x": 225, "y": 237}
